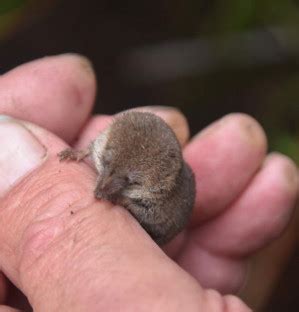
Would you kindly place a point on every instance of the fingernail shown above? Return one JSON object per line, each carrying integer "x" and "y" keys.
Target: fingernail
{"x": 20, "y": 153}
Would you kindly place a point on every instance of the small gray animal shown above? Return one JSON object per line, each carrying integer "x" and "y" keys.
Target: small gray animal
{"x": 141, "y": 167}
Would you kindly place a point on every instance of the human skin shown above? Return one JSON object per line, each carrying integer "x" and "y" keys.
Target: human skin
{"x": 67, "y": 251}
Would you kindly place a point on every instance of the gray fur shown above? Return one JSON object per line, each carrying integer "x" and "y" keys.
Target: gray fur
{"x": 144, "y": 171}
{"x": 140, "y": 166}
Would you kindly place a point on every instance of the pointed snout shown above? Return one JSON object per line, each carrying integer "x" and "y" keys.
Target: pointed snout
{"x": 109, "y": 187}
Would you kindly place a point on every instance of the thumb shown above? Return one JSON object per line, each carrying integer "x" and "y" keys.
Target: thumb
{"x": 67, "y": 252}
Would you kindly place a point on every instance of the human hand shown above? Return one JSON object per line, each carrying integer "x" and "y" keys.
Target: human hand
{"x": 66, "y": 251}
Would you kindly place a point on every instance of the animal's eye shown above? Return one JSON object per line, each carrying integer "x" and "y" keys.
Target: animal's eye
{"x": 172, "y": 154}
{"x": 132, "y": 181}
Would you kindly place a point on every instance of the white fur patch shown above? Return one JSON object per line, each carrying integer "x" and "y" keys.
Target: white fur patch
{"x": 134, "y": 194}
{"x": 97, "y": 149}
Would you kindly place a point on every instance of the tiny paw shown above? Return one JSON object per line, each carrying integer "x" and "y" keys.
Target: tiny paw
{"x": 71, "y": 154}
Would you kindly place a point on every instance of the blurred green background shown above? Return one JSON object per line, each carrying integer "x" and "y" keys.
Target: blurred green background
{"x": 207, "y": 57}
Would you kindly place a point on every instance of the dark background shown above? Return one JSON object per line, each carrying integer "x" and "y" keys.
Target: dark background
{"x": 206, "y": 57}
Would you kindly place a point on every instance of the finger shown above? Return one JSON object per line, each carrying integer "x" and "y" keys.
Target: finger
{"x": 259, "y": 215}
{"x": 174, "y": 118}
{"x": 215, "y": 252}
{"x": 224, "y": 157}
{"x": 92, "y": 129}
{"x": 55, "y": 238}
{"x": 226, "y": 274}
{"x": 55, "y": 92}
